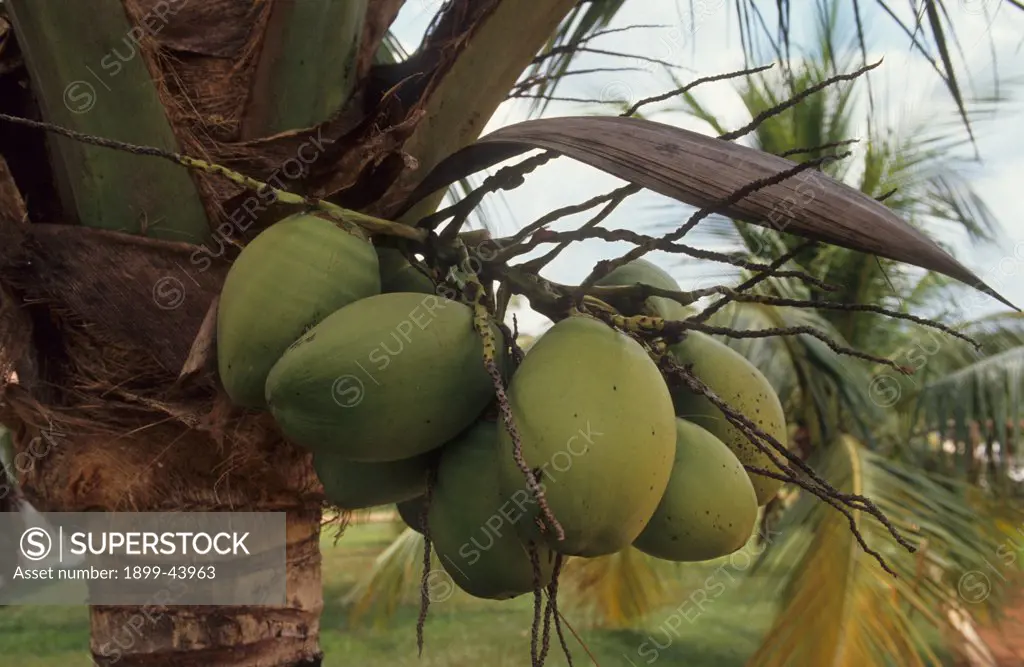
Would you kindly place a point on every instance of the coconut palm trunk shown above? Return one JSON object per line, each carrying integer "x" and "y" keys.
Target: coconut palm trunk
{"x": 108, "y": 314}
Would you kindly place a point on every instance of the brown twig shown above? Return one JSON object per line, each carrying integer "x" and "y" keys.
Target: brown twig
{"x": 506, "y": 178}
{"x": 605, "y": 267}
{"x": 482, "y": 319}
{"x": 564, "y": 621}
{"x": 683, "y": 89}
{"x": 831, "y": 501}
{"x": 788, "y": 331}
{"x": 425, "y": 578}
{"x": 535, "y": 655}
{"x": 517, "y": 451}
{"x": 557, "y": 214}
{"x": 553, "y": 596}
{"x": 752, "y": 282}
{"x": 793, "y": 101}
{"x": 756, "y": 436}
{"x": 886, "y": 195}
{"x": 539, "y": 263}
{"x": 852, "y": 307}
{"x": 819, "y": 149}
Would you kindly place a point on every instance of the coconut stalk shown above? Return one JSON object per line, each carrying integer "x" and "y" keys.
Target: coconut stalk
{"x": 307, "y": 66}
{"x": 97, "y": 81}
{"x": 462, "y": 102}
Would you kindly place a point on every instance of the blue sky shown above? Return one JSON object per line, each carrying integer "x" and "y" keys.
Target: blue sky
{"x": 906, "y": 88}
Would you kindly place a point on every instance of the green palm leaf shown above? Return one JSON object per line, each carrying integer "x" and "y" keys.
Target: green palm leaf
{"x": 838, "y": 607}
{"x": 586, "y": 19}
{"x": 931, "y": 32}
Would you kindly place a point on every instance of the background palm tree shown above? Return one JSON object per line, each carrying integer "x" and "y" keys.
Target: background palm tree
{"x": 248, "y": 88}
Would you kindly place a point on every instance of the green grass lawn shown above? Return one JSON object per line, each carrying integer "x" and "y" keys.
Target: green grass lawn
{"x": 460, "y": 632}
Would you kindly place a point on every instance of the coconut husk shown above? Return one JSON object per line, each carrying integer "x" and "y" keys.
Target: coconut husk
{"x": 134, "y": 292}
{"x": 108, "y": 458}
{"x": 103, "y": 416}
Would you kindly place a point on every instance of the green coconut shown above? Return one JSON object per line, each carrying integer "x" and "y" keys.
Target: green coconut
{"x": 287, "y": 280}
{"x": 595, "y": 419}
{"x": 353, "y": 485}
{"x": 382, "y": 379}
{"x": 741, "y": 386}
{"x": 473, "y": 526}
{"x": 709, "y": 508}
{"x": 398, "y": 275}
{"x": 410, "y": 512}
{"x": 642, "y": 272}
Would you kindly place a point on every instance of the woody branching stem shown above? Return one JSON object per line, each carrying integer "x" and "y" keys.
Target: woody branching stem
{"x": 796, "y": 99}
{"x": 482, "y": 319}
{"x": 513, "y": 245}
{"x": 796, "y": 331}
{"x": 690, "y": 86}
{"x": 735, "y": 295}
{"x": 536, "y": 265}
{"x": 818, "y": 149}
{"x": 537, "y": 654}
{"x": 809, "y": 481}
{"x": 506, "y": 178}
{"x": 425, "y": 577}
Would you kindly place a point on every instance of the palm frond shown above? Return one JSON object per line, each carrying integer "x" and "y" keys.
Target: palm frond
{"x": 395, "y": 575}
{"x": 617, "y": 590}
{"x": 989, "y": 392}
{"x": 614, "y": 591}
{"x": 838, "y": 607}
{"x": 930, "y": 29}
{"x": 586, "y": 19}
{"x": 924, "y": 163}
